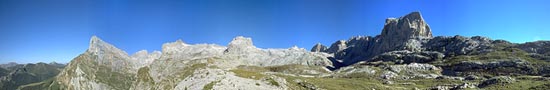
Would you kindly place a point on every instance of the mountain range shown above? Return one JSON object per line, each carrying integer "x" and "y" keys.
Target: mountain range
{"x": 404, "y": 56}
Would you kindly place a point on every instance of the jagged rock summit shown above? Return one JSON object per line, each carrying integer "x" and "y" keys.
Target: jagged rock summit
{"x": 97, "y": 45}
{"x": 319, "y": 48}
{"x": 411, "y": 25}
{"x": 240, "y": 44}
{"x": 403, "y": 33}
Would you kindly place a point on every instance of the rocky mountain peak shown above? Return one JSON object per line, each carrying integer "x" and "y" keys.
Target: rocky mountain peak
{"x": 337, "y": 46}
{"x": 173, "y": 46}
{"x": 411, "y": 25}
{"x": 240, "y": 44}
{"x": 241, "y": 41}
{"x": 319, "y": 48}
{"x": 143, "y": 58}
{"x": 98, "y": 45}
{"x": 95, "y": 42}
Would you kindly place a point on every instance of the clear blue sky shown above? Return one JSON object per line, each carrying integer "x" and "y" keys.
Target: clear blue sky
{"x": 59, "y": 30}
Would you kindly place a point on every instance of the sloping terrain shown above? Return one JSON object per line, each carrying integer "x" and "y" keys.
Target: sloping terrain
{"x": 15, "y": 75}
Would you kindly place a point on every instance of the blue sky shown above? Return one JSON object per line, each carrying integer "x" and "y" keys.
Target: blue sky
{"x": 59, "y": 30}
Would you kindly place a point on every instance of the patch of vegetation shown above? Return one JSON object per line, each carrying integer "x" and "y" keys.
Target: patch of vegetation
{"x": 143, "y": 76}
{"x": 273, "y": 82}
{"x": 56, "y": 86}
{"x": 545, "y": 86}
{"x": 499, "y": 54}
{"x": 210, "y": 85}
{"x": 49, "y": 84}
{"x": 117, "y": 80}
{"x": 188, "y": 71}
{"x": 297, "y": 69}
{"x": 364, "y": 81}
{"x": 181, "y": 73}
{"x": 36, "y": 86}
{"x": 504, "y": 54}
{"x": 248, "y": 72}
{"x": 528, "y": 83}
{"x": 334, "y": 83}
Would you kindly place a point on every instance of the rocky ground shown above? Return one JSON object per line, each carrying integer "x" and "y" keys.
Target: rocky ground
{"x": 404, "y": 56}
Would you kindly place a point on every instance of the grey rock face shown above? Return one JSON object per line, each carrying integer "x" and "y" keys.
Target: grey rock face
{"x": 319, "y": 48}
{"x": 409, "y": 39}
{"x": 88, "y": 70}
{"x": 405, "y": 33}
{"x": 144, "y": 58}
{"x": 240, "y": 44}
{"x": 405, "y": 56}
{"x": 513, "y": 66}
{"x": 337, "y": 46}
{"x": 416, "y": 70}
{"x": 99, "y": 47}
{"x": 241, "y": 49}
{"x": 496, "y": 80}
{"x": 409, "y": 26}
{"x": 459, "y": 45}
{"x": 539, "y": 47}
{"x": 360, "y": 69}
{"x": 454, "y": 86}
{"x": 356, "y": 50}
{"x": 471, "y": 77}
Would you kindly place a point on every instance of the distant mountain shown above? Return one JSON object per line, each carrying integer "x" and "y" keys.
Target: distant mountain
{"x": 13, "y": 75}
{"x": 404, "y": 56}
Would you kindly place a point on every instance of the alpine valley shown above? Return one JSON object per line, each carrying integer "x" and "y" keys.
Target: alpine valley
{"x": 405, "y": 56}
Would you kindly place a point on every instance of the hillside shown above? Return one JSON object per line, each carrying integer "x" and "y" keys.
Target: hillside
{"x": 14, "y": 75}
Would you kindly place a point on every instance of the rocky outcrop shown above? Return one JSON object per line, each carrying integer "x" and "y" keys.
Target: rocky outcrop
{"x": 337, "y": 46}
{"x": 400, "y": 57}
{"x": 241, "y": 44}
{"x": 250, "y": 55}
{"x": 539, "y": 47}
{"x": 98, "y": 68}
{"x": 143, "y": 58}
{"x": 408, "y": 39}
{"x": 108, "y": 55}
{"x": 415, "y": 70}
{"x": 498, "y": 67}
{"x": 319, "y": 48}
{"x": 405, "y": 33}
{"x": 459, "y": 45}
{"x": 497, "y": 80}
{"x": 409, "y": 26}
